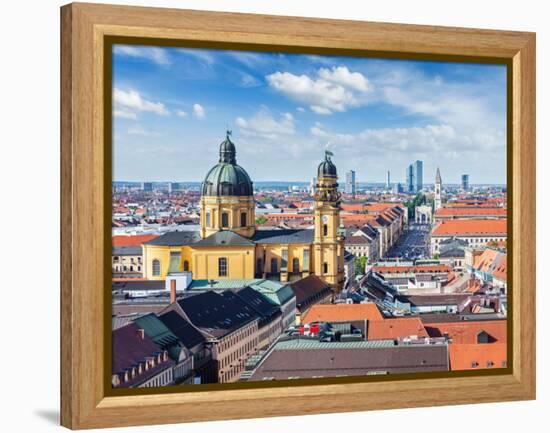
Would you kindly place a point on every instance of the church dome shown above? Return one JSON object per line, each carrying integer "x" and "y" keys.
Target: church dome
{"x": 327, "y": 167}
{"x": 227, "y": 178}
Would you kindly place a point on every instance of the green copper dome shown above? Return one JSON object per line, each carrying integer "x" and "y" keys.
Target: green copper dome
{"x": 227, "y": 178}
{"x": 327, "y": 167}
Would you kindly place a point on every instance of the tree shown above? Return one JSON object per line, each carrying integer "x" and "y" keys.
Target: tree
{"x": 261, "y": 220}
{"x": 360, "y": 263}
{"x": 417, "y": 201}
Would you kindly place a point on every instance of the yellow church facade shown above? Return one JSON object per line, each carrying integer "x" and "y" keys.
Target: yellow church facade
{"x": 228, "y": 245}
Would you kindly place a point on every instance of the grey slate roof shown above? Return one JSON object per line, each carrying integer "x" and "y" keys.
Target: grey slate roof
{"x": 288, "y": 236}
{"x": 126, "y": 251}
{"x": 176, "y": 238}
{"x": 225, "y": 237}
{"x": 215, "y": 314}
{"x": 228, "y": 237}
{"x": 348, "y": 359}
{"x": 129, "y": 285}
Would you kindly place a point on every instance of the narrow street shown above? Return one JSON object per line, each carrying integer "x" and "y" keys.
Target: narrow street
{"x": 413, "y": 244}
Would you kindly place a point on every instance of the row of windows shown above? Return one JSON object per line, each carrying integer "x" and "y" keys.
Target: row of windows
{"x": 225, "y": 219}
{"x": 161, "y": 380}
{"x": 133, "y": 260}
{"x": 274, "y": 263}
{"x": 118, "y": 268}
{"x": 223, "y": 268}
{"x": 156, "y": 267}
{"x": 235, "y": 338}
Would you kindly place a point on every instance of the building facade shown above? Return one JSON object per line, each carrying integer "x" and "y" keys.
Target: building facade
{"x": 476, "y": 233}
{"x": 228, "y": 244}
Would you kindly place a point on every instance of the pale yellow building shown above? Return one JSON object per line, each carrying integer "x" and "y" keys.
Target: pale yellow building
{"x": 228, "y": 244}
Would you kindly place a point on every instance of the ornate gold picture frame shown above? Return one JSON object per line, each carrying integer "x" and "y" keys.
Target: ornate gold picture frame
{"x": 88, "y": 32}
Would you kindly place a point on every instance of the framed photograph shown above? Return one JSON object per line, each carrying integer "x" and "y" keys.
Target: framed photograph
{"x": 266, "y": 216}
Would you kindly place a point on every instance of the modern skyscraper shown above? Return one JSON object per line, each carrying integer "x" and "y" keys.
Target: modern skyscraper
{"x": 397, "y": 188}
{"x": 418, "y": 175}
{"x": 465, "y": 182}
{"x": 437, "y": 195}
{"x": 409, "y": 179}
{"x": 147, "y": 186}
{"x": 350, "y": 183}
{"x": 174, "y": 187}
{"x": 414, "y": 177}
{"x": 388, "y": 185}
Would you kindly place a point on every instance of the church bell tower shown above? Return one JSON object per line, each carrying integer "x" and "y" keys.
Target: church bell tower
{"x": 328, "y": 241}
{"x": 437, "y": 192}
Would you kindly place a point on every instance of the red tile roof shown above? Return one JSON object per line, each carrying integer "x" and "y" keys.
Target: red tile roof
{"x": 466, "y": 332}
{"x": 500, "y": 273}
{"x": 387, "y": 329}
{"x": 353, "y": 207}
{"x": 477, "y": 356}
{"x": 357, "y": 240}
{"x": 471, "y": 227}
{"x": 456, "y": 211}
{"x": 342, "y": 313}
{"x": 131, "y": 240}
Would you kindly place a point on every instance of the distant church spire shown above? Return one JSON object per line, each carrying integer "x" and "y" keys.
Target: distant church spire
{"x": 437, "y": 193}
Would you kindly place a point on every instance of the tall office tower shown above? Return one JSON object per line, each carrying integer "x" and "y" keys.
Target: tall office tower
{"x": 388, "y": 185}
{"x": 409, "y": 179}
{"x": 397, "y": 188}
{"x": 173, "y": 187}
{"x": 465, "y": 182}
{"x": 350, "y": 183}
{"x": 418, "y": 177}
{"x": 437, "y": 194}
{"x": 146, "y": 186}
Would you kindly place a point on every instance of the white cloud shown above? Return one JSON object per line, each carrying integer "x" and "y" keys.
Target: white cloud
{"x": 181, "y": 113}
{"x": 264, "y": 125}
{"x": 205, "y": 56}
{"x": 252, "y": 60}
{"x": 248, "y": 80}
{"x": 124, "y": 114}
{"x": 333, "y": 90}
{"x": 138, "y": 130}
{"x": 442, "y": 139}
{"x": 198, "y": 111}
{"x": 154, "y": 54}
{"x": 127, "y": 103}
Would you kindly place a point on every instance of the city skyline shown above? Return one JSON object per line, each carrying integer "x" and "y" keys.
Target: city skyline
{"x": 172, "y": 106}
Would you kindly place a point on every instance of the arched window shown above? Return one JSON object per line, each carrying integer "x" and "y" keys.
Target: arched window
{"x": 274, "y": 265}
{"x": 156, "y": 268}
{"x": 225, "y": 219}
{"x": 325, "y": 230}
{"x": 243, "y": 219}
{"x": 295, "y": 265}
{"x": 185, "y": 266}
{"x": 325, "y": 268}
{"x": 208, "y": 219}
{"x": 222, "y": 267}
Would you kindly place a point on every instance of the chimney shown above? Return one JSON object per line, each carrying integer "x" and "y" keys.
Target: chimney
{"x": 172, "y": 291}
{"x": 141, "y": 333}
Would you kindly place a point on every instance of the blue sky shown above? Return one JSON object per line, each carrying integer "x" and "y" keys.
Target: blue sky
{"x": 172, "y": 106}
